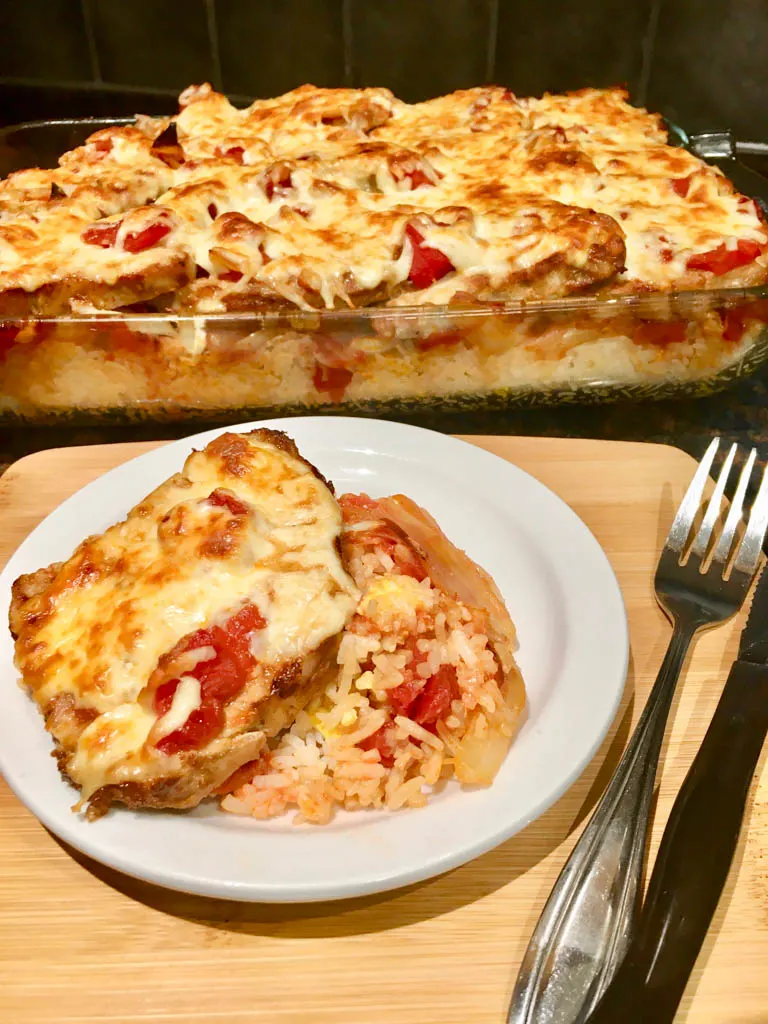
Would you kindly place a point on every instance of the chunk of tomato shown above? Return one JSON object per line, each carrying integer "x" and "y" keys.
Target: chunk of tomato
{"x": 736, "y": 319}
{"x": 103, "y": 235}
{"x": 384, "y": 742}
{"x": 427, "y": 264}
{"x": 202, "y": 725}
{"x": 224, "y": 499}
{"x": 140, "y": 240}
{"x": 722, "y": 259}
{"x": 221, "y": 678}
{"x": 331, "y": 380}
{"x": 164, "y": 696}
{"x": 682, "y": 185}
{"x": 659, "y": 332}
{"x": 239, "y": 630}
{"x": 434, "y": 701}
{"x": 403, "y": 696}
{"x": 444, "y": 339}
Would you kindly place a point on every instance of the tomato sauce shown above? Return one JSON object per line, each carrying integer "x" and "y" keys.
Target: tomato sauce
{"x": 221, "y": 678}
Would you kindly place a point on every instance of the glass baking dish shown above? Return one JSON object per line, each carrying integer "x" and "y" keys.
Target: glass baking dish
{"x": 123, "y": 367}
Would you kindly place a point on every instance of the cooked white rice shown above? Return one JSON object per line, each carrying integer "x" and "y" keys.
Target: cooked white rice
{"x": 329, "y": 758}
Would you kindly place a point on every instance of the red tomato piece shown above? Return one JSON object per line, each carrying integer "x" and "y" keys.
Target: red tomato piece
{"x": 418, "y": 177}
{"x": 446, "y": 339}
{"x": 427, "y": 264}
{"x": 224, "y": 499}
{"x": 201, "y": 726}
{"x": 145, "y": 239}
{"x": 356, "y": 508}
{"x": 415, "y": 177}
{"x": 103, "y": 235}
{"x": 434, "y": 701}
{"x": 331, "y": 380}
{"x": 682, "y": 185}
{"x": 245, "y": 621}
{"x": 403, "y": 696}
{"x": 721, "y": 260}
{"x": 211, "y": 637}
{"x": 279, "y": 187}
{"x": 233, "y": 152}
{"x": 383, "y": 741}
{"x": 239, "y": 631}
{"x": 659, "y": 332}
{"x": 164, "y": 696}
{"x": 221, "y": 678}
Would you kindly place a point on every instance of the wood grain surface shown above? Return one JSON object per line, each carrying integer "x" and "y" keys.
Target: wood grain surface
{"x": 82, "y": 944}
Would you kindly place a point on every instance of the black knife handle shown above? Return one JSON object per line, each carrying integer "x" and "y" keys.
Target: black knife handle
{"x": 694, "y": 858}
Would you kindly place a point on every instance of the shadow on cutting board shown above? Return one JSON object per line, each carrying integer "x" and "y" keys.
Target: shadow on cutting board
{"x": 421, "y": 901}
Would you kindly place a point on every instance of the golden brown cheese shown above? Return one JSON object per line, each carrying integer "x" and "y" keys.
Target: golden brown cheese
{"x": 97, "y": 634}
{"x": 523, "y": 197}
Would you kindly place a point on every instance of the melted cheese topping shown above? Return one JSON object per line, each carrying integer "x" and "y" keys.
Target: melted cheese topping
{"x": 179, "y": 563}
{"x": 185, "y": 700}
{"x": 304, "y": 200}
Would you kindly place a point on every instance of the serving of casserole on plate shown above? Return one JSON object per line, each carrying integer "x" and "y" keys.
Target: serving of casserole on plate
{"x": 339, "y": 245}
{"x": 241, "y": 639}
{"x": 242, "y": 634}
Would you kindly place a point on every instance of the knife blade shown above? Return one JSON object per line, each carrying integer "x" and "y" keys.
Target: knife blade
{"x": 698, "y": 843}
{"x": 753, "y": 645}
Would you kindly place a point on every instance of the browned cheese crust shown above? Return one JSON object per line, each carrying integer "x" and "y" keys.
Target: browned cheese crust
{"x": 331, "y": 198}
{"x": 249, "y": 527}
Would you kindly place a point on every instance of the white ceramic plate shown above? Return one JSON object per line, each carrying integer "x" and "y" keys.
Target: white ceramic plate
{"x": 572, "y": 628}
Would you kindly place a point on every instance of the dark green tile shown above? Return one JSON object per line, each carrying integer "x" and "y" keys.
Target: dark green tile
{"x": 268, "y": 48}
{"x": 153, "y": 43}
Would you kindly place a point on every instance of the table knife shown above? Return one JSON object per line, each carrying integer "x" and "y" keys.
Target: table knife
{"x": 698, "y": 843}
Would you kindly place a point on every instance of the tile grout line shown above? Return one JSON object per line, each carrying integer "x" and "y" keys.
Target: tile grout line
{"x": 213, "y": 42}
{"x": 348, "y": 42}
{"x": 493, "y": 38}
{"x": 108, "y": 87}
{"x": 90, "y": 38}
{"x": 646, "y": 48}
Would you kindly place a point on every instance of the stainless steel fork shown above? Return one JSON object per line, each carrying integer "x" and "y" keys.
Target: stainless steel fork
{"x": 582, "y": 934}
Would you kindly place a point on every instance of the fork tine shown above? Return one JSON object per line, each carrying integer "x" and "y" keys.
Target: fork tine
{"x": 686, "y": 513}
{"x": 752, "y": 543}
{"x": 701, "y": 540}
{"x": 733, "y": 518}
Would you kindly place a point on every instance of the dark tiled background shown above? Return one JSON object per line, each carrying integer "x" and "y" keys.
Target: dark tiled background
{"x": 701, "y": 62}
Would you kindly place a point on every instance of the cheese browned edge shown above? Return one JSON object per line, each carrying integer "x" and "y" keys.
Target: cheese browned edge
{"x": 526, "y": 197}
{"x": 90, "y": 631}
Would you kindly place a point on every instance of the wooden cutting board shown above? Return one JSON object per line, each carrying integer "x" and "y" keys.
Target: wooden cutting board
{"x": 82, "y": 944}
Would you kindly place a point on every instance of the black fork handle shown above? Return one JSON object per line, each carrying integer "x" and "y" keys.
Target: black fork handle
{"x": 694, "y": 858}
